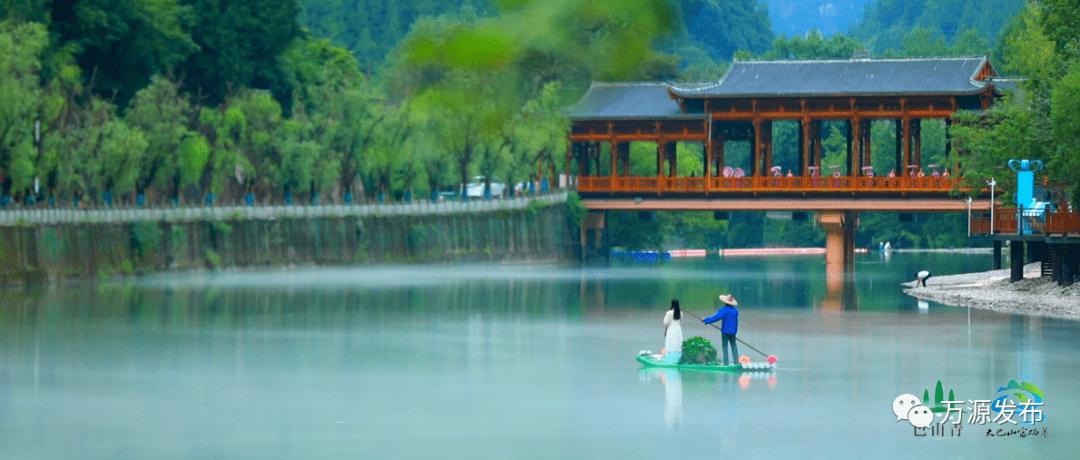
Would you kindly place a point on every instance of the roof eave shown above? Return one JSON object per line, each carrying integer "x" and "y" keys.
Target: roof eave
{"x": 638, "y": 117}
{"x": 915, "y": 93}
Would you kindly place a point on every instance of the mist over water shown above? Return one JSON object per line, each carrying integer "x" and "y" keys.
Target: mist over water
{"x": 512, "y": 361}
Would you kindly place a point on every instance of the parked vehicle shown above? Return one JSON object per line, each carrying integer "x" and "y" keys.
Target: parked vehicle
{"x": 475, "y": 189}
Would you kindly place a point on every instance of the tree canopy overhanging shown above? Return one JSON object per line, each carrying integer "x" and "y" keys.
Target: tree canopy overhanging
{"x": 332, "y": 100}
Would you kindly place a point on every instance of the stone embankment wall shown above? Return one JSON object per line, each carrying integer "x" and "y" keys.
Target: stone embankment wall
{"x": 52, "y": 251}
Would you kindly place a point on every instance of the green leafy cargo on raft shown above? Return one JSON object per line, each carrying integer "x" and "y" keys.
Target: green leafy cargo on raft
{"x": 697, "y": 350}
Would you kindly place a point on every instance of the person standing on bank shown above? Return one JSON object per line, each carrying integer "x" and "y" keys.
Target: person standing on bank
{"x": 729, "y": 326}
{"x": 673, "y": 333}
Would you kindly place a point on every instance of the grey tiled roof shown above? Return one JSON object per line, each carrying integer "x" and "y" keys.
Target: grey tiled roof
{"x": 923, "y": 76}
{"x": 1007, "y": 83}
{"x": 645, "y": 100}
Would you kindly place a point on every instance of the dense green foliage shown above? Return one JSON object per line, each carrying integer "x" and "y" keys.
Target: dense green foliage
{"x": 697, "y": 350}
{"x": 371, "y": 29}
{"x": 1039, "y": 121}
{"x": 188, "y": 100}
{"x": 722, "y": 27}
{"x": 887, "y": 23}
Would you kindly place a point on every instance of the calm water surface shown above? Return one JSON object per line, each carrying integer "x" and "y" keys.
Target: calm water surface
{"x": 530, "y": 362}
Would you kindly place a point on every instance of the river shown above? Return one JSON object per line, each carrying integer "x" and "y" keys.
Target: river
{"x": 522, "y": 362}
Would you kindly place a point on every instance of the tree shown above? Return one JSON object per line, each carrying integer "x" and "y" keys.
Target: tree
{"x": 387, "y": 152}
{"x": 984, "y": 144}
{"x": 538, "y": 134}
{"x": 1062, "y": 26}
{"x": 239, "y": 44}
{"x": 1065, "y": 159}
{"x": 120, "y": 44}
{"x": 723, "y": 27}
{"x": 970, "y": 42}
{"x": 20, "y": 48}
{"x": 119, "y": 149}
{"x": 886, "y": 23}
{"x": 922, "y": 42}
{"x": 813, "y": 46}
{"x": 338, "y": 103}
{"x": 834, "y": 150}
{"x": 244, "y": 139}
{"x": 464, "y": 113}
{"x": 165, "y": 115}
{"x": 97, "y": 152}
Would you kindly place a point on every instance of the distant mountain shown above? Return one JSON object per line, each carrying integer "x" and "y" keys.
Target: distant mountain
{"x": 888, "y": 22}
{"x": 797, "y": 17}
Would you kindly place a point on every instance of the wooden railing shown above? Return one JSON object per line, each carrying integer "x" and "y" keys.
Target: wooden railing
{"x": 980, "y": 225}
{"x": 661, "y": 185}
{"x": 1063, "y": 222}
{"x": 1005, "y": 222}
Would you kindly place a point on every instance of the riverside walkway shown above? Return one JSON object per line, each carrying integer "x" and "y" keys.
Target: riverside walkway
{"x": 47, "y": 216}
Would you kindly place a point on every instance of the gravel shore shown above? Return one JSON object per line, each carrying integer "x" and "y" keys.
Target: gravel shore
{"x": 1034, "y": 295}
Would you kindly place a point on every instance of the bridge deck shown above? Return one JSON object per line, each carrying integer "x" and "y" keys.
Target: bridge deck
{"x": 900, "y": 204}
{"x": 940, "y": 186}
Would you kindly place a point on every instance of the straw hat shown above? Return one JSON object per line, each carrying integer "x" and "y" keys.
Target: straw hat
{"x": 728, "y": 299}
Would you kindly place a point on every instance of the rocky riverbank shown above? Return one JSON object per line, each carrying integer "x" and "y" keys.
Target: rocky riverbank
{"x": 1034, "y": 295}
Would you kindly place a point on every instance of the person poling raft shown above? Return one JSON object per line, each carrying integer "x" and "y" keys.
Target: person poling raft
{"x": 698, "y": 354}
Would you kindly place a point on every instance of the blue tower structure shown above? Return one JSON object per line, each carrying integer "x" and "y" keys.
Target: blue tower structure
{"x": 1032, "y": 211}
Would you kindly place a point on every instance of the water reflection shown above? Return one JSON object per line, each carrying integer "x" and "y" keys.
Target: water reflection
{"x": 840, "y": 293}
{"x": 702, "y": 384}
{"x": 671, "y": 380}
{"x": 433, "y": 362}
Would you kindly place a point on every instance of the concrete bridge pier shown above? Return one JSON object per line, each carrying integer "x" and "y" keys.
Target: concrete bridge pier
{"x": 594, "y": 245}
{"x": 840, "y": 229}
{"x": 1016, "y": 261}
{"x": 997, "y": 255}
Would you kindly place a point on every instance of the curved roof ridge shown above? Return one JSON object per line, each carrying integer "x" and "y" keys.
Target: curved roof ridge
{"x": 615, "y": 84}
{"x": 955, "y": 75}
{"x": 867, "y": 59}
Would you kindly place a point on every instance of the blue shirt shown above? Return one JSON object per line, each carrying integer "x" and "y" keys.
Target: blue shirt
{"x": 730, "y": 317}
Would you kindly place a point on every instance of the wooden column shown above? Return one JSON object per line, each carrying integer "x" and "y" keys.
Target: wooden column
{"x": 899, "y": 136}
{"x": 596, "y": 155}
{"x": 804, "y": 145}
{"x": 816, "y": 135}
{"x": 852, "y": 146}
{"x": 755, "y": 155}
{"x": 624, "y": 157}
{"x": 907, "y": 142}
{"x": 671, "y": 153}
{"x": 907, "y": 134}
{"x": 612, "y": 143}
{"x": 720, "y": 153}
{"x": 855, "y": 145}
{"x": 707, "y": 172}
{"x": 916, "y": 132}
{"x": 767, "y": 134}
{"x": 660, "y": 159}
{"x": 659, "y": 152}
{"x": 868, "y": 140}
{"x": 614, "y": 158}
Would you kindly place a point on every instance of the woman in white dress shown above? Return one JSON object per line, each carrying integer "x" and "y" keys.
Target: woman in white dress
{"x": 673, "y": 333}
